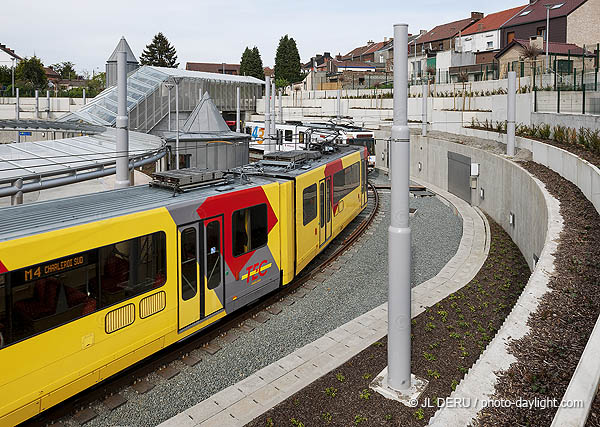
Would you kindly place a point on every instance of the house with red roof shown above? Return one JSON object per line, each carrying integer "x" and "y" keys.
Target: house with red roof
{"x": 571, "y": 21}
{"x": 424, "y": 51}
{"x": 564, "y": 57}
{"x": 484, "y": 35}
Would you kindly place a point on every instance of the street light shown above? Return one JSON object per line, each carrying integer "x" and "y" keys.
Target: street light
{"x": 13, "y": 76}
{"x": 169, "y": 86}
{"x": 176, "y": 81}
{"x": 548, "y": 7}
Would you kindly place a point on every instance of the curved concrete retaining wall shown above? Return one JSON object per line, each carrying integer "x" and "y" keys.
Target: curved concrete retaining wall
{"x": 508, "y": 189}
{"x": 586, "y": 379}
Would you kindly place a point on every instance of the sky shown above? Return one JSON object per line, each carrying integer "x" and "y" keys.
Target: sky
{"x": 86, "y": 33}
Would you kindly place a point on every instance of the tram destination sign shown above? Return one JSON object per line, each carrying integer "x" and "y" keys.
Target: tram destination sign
{"x": 53, "y": 267}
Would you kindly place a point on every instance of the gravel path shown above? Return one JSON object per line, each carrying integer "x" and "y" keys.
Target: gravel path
{"x": 357, "y": 287}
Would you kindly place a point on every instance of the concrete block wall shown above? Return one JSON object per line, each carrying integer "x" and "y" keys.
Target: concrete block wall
{"x": 58, "y": 107}
{"x": 576, "y": 121}
{"x": 507, "y": 189}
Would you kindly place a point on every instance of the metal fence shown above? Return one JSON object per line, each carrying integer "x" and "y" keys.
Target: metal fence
{"x": 567, "y": 92}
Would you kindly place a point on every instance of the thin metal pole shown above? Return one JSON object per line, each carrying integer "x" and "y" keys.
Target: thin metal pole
{"x": 84, "y": 99}
{"x": 548, "y": 6}
{"x": 122, "y": 163}
{"x": 37, "y": 104}
{"x": 339, "y": 103}
{"x": 511, "y": 113}
{"x": 169, "y": 120}
{"x": 266, "y": 137}
{"x": 281, "y": 106}
{"x": 13, "y": 77}
{"x": 48, "y": 104}
{"x": 273, "y": 110}
{"x": 237, "y": 110}
{"x": 424, "y": 110}
{"x": 399, "y": 292}
{"x": 17, "y": 108}
{"x": 177, "y": 124}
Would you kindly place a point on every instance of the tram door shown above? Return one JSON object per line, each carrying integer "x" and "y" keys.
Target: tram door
{"x": 201, "y": 287}
{"x": 190, "y": 271}
{"x": 363, "y": 167}
{"x": 324, "y": 210}
{"x": 213, "y": 265}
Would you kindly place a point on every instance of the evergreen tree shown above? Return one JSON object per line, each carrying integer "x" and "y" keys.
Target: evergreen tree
{"x": 287, "y": 61}
{"x": 30, "y": 74}
{"x": 159, "y": 53}
{"x": 251, "y": 64}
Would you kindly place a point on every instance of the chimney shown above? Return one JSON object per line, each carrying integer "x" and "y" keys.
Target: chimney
{"x": 370, "y": 42}
{"x": 385, "y": 39}
{"x": 537, "y": 42}
{"x": 338, "y": 57}
{"x": 476, "y": 15}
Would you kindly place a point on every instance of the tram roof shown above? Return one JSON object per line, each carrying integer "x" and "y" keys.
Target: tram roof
{"x": 30, "y": 219}
{"x": 34, "y": 218}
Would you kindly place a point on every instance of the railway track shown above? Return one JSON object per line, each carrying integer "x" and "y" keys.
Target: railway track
{"x": 77, "y": 405}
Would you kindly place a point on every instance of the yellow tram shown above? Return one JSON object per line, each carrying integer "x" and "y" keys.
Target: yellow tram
{"x": 92, "y": 284}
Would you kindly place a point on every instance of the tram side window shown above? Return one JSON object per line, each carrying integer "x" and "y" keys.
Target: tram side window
{"x": 56, "y": 292}
{"x": 288, "y": 135}
{"x": 309, "y": 204}
{"x": 345, "y": 181}
{"x": 249, "y": 229}
{"x": 301, "y": 137}
{"x": 119, "y": 279}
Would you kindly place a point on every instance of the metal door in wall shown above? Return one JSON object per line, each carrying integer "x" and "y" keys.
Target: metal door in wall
{"x": 459, "y": 174}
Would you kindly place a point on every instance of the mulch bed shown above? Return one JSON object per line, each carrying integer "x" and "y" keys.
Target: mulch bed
{"x": 548, "y": 354}
{"x": 448, "y": 339}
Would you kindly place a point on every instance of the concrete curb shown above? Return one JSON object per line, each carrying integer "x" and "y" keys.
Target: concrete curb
{"x": 242, "y": 402}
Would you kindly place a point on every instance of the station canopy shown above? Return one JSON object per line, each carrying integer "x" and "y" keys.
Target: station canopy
{"x": 143, "y": 83}
{"x": 37, "y": 160}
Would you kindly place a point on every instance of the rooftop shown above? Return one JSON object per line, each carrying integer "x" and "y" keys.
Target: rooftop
{"x": 445, "y": 31}
{"x": 553, "y": 48}
{"x": 537, "y": 11}
{"x": 493, "y": 21}
{"x": 9, "y": 51}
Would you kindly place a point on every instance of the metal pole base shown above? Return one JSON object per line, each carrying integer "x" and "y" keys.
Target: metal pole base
{"x": 408, "y": 397}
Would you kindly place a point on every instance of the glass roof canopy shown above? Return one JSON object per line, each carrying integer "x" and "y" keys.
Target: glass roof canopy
{"x": 148, "y": 97}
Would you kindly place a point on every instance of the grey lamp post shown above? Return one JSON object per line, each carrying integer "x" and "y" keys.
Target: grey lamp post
{"x": 169, "y": 86}
{"x": 177, "y": 80}
{"x": 13, "y": 77}
{"x": 548, "y": 7}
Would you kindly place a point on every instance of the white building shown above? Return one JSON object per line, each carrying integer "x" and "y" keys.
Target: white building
{"x": 484, "y": 35}
{"x": 7, "y": 55}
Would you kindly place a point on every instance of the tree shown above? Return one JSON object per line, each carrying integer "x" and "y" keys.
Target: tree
{"x": 96, "y": 84}
{"x": 287, "y": 61}
{"x": 30, "y": 74}
{"x": 251, "y": 63}
{"x": 159, "y": 53}
{"x": 5, "y": 76}
{"x": 66, "y": 70}
{"x": 531, "y": 52}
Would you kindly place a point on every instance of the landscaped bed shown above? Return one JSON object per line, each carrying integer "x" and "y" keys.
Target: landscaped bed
{"x": 560, "y": 328}
{"x": 447, "y": 339}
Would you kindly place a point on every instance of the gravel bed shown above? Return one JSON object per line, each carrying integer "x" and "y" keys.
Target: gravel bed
{"x": 359, "y": 286}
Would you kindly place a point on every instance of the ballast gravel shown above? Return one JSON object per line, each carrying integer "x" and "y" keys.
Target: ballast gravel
{"x": 357, "y": 287}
